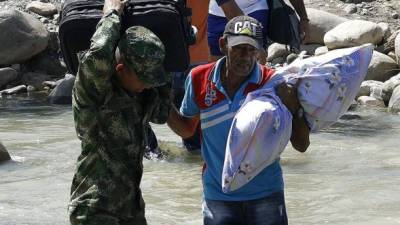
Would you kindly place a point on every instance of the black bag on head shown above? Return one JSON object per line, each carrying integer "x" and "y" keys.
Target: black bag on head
{"x": 168, "y": 19}
{"x": 283, "y": 24}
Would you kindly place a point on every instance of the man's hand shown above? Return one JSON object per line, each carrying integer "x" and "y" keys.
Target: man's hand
{"x": 117, "y": 5}
{"x": 288, "y": 95}
{"x": 304, "y": 30}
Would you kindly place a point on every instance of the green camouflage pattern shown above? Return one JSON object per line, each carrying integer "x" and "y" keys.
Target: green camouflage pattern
{"x": 111, "y": 125}
{"x": 139, "y": 45}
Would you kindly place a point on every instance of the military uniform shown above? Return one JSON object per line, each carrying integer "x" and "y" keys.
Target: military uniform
{"x": 111, "y": 125}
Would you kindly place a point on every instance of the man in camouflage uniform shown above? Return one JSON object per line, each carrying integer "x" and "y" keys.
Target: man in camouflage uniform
{"x": 116, "y": 93}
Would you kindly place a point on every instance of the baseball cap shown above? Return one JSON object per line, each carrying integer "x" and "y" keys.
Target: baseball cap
{"x": 144, "y": 53}
{"x": 244, "y": 30}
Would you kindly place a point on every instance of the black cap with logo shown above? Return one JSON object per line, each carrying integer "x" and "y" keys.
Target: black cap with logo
{"x": 244, "y": 30}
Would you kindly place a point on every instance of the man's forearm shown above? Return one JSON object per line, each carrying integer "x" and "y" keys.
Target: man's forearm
{"x": 182, "y": 126}
{"x": 231, "y": 9}
{"x": 300, "y": 138}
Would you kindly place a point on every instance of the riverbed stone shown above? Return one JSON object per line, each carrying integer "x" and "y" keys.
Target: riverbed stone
{"x": 277, "y": 50}
{"x": 48, "y": 62}
{"x": 353, "y": 33}
{"x": 42, "y": 8}
{"x": 367, "y": 87}
{"x": 389, "y": 44}
{"x": 381, "y": 67}
{"x": 389, "y": 86}
{"x": 35, "y": 79}
{"x": 320, "y": 23}
{"x": 397, "y": 47}
{"x": 22, "y": 36}
{"x": 62, "y": 93}
{"x": 7, "y": 75}
{"x": 394, "y": 102}
{"x": 310, "y": 48}
{"x": 370, "y": 101}
{"x": 321, "y": 50}
{"x": 14, "y": 90}
{"x": 4, "y": 155}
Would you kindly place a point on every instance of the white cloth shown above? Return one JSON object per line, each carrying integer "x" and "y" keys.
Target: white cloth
{"x": 262, "y": 127}
{"x": 247, "y": 6}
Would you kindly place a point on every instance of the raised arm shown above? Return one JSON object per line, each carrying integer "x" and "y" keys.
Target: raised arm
{"x": 230, "y": 8}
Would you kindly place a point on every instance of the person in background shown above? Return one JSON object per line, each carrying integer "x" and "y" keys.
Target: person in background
{"x": 220, "y": 11}
{"x": 213, "y": 94}
{"x": 118, "y": 90}
{"x": 199, "y": 54}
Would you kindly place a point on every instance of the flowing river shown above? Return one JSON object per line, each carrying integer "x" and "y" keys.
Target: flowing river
{"x": 350, "y": 174}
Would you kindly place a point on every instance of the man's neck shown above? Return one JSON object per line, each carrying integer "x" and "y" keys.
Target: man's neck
{"x": 231, "y": 81}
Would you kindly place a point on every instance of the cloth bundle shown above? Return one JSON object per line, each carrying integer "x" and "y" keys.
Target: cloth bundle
{"x": 262, "y": 127}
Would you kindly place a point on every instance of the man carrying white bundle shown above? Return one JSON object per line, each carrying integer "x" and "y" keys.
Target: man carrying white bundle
{"x": 213, "y": 94}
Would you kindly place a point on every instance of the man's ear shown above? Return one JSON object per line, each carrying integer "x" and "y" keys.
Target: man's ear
{"x": 119, "y": 68}
{"x": 223, "y": 45}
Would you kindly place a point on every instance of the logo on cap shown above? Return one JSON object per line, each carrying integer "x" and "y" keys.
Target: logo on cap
{"x": 246, "y": 28}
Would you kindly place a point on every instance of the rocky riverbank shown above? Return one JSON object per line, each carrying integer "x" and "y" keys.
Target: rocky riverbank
{"x": 30, "y": 58}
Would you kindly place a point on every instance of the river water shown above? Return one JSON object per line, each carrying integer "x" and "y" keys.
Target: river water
{"x": 350, "y": 174}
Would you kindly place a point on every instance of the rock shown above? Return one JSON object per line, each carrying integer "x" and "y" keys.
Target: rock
{"x": 320, "y": 23}
{"x": 321, "y": 50}
{"x": 48, "y": 62}
{"x": 35, "y": 79}
{"x": 397, "y": 47}
{"x": 350, "y": 8}
{"x": 392, "y": 55}
{"x": 7, "y": 75}
{"x": 310, "y": 48}
{"x": 4, "y": 156}
{"x": 395, "y": 15}
{"x": 42, "y": 8}
{"x": 389, "y": 86}
{"x": 394, "y": 103}
{"x": 14, "y": 90}
{"x": 353, "y": 33}
{"x": 367, "y": 87}
{"x": 386, "y": 30}
{"x": 389, "y": 45}
{"x": 276, "y": 50}
{"x": 22, "y": 36}
{"x": 381, "y": 68}
{"x": 62, "y": 93}
{"x": 370, "y": 101}
{"x": 291, "y": 57}
{"x": 376, "y": 92}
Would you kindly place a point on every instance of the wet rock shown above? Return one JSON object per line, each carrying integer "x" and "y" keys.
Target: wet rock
{"x": 14, "y": 90}
{"x": 389, "y": 44}
{"x": 386, "y": 30}
{"x": 7, "y": 75}
{"x": 48, "y": 62}
{"x": 320, "y": 23}
{"x": 276, "y": 50}
{"x": 381, "y": 68}
{"x": 394, "y": 103}
{"x": 370, "y": 101}
{"x": 367, "y": 87}
{"x": 397, "y": 47}
{"x": 62, "y": 93}
{"x": 4, "y": 155}
{"x": 310, "y": 48}
{"x": 35, "y": 79}
{"x": 389, "y": 86}
{"x": 353, "y": 33}
{"x": 321, "y": 50}
{"x": 22, "y": 36}
{"x": 42, "y": 8}
{"x": 291, "y": 57}
{"x": 350, "y": 8}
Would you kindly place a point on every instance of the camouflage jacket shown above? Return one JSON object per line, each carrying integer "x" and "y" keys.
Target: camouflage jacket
{"x": 111, "y": 125}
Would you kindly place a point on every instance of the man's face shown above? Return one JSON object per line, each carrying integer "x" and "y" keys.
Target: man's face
{"x": 241, "y": 59}
{"x": 130, "y": 81}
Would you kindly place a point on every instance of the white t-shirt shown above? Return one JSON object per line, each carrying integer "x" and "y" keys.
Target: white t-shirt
{"x": 247, "y": 6}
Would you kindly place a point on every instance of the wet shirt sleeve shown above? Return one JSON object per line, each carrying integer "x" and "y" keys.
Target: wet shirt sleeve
{"x": 97, "y": 65}
{"x": 189, "y": 107}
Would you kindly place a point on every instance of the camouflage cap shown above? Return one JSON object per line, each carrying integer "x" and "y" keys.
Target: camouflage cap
{"x": 144, "y": 53}
{"x": 244, "y": 30}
